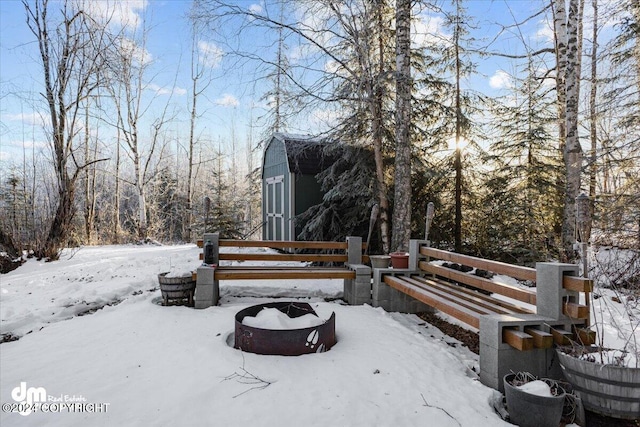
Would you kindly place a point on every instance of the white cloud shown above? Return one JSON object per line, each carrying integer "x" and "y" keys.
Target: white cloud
{"x": 227, "y": 100}
{"x": 500, "y": 80}
{"x": 331, "y": 66}
{"x": 4, "y": 156}
{"x": 165, "y": 90}
{"x": 34, "y": 118}
{"x": 255, "y": 8}
{"x": 210, "y": 54}
{"x": 130, "y": 49}
{"x": 427, "y": 31}
{"x": 545, "y": 31}
{"x": 119, "y": 13}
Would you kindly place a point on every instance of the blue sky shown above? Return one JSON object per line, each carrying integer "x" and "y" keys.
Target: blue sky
{"x": 231, "y": 103}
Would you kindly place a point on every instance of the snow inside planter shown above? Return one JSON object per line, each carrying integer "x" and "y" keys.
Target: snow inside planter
{"x": 537, "y": 403}
{"x": 283, "y": 328}
{"x": 176, "y": 287}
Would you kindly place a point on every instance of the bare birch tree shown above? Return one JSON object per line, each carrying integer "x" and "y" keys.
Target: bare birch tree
{"x": 199, "y": 71}
{"x": 128, "y": 68}
{"x": 401, "y": 221}
{"x": 568, "y": 89}
{"x": 71, "y": 55}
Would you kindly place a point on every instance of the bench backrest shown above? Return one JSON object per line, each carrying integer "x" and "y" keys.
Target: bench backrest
{"x": 349, "y": 252}
{"x": 556, "y": 300}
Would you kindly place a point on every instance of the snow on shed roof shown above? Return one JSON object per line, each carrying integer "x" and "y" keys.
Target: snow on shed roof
{"x": 305, "y": 153}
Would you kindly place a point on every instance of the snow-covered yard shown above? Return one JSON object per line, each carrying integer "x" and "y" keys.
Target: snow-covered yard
{"x": 136, "y": 362}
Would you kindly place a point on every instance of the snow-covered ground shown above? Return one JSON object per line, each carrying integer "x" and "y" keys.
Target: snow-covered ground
{"x": 136, "y": 363}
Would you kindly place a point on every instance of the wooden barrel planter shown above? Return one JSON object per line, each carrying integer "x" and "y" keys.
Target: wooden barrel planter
{"x": 176, "y": 288}
{"x": 609, "y": 390}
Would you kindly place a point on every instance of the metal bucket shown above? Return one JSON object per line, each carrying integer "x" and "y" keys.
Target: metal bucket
{"x": 530, "y": 410}
{"x": 609, "y": 390}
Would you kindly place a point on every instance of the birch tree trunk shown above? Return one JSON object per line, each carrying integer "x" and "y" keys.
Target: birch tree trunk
{"x": 568, "y": 91}
{"x": 376, "y": 106}
{"x": 593, "y": 134}
{"x": 457, "y": 228}
{"x": 401, "y": 219}
{"x": 573, "y": 150}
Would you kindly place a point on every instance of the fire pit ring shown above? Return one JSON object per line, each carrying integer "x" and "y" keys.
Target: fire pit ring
{"x": 284, "y": 342}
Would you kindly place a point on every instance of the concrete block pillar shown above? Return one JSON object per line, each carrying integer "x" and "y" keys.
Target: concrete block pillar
{"x": 207, "y": 289}
{"x": 550, "y": 293}
{"x": 383, "y": 295}
{"x": 414, "y": 252}
{"x": 358, "y": 291}
{"x": 354, "y": 250}
{"x": 497, "y": 358}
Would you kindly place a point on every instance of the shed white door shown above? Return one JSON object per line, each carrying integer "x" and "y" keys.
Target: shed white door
{"x": 275, "y": 208}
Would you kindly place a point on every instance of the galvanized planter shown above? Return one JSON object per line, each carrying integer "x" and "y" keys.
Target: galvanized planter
{"x": 379, "y": 261}
{"x": 609, "y": 390}
{"x": 530, "y": 410}
{"x": 176, "y": 288}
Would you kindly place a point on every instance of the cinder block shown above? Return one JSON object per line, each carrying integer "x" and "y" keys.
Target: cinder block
{"x": 416, "y": 306}
{"x": 491, "y": 326}
{"x": 414, "y": 252}
{"x": 385, "y": 304}
{"x": 346, "y": 294}
{"x": 207, "y": 289}
{"x": 495, "y": 364}
{"x": 550, "y": 293}
{"x": 498, "y": 359}
{"x": 361, "y": 269}
{"x": 362, "y": 288}
{"x": 354, "y": 250}
{"x": 348, "y": 290}
{"x": 399, "y": 301}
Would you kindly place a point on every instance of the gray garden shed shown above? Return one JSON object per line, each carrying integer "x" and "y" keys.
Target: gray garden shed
{"x": 289, "y": 186}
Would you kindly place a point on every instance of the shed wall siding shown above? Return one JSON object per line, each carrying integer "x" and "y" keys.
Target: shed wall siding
{"x": 275, "y": 165}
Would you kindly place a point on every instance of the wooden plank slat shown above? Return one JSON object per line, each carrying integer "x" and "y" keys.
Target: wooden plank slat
{"x": 577, "y": 284}
{"x": 455, "y": 297}
{"x": 492, "y": 304}
{"x": 541, "y": 339}
{"x": 226, "y": 273}
{"x": 463, "y": 314}
{"x": 516, "y": 271}
{"x": 517, "y": 339}
{"x": 575, "y": 311}
{"x": 586, "y": 336}
{"x": 525, "y": 295}
{"x": 283, "y": 257}
{"x": 281, "y": 244}
{"x": 561, "y": 337}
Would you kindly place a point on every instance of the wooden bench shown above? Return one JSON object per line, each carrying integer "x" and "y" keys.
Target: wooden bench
{"x": 505, "y": 315}
{"x": 324, "y": 260}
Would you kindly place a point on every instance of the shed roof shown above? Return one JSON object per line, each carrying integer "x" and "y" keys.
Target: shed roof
{"x": 304, "y": 153}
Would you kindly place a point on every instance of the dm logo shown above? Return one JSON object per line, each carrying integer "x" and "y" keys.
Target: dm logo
{"x": 28, "y": 396}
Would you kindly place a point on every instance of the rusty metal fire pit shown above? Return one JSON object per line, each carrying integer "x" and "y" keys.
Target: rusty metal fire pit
{"x": 285, "y": 342}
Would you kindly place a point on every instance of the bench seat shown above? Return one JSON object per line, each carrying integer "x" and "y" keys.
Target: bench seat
{"x": 462, "y": 303}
